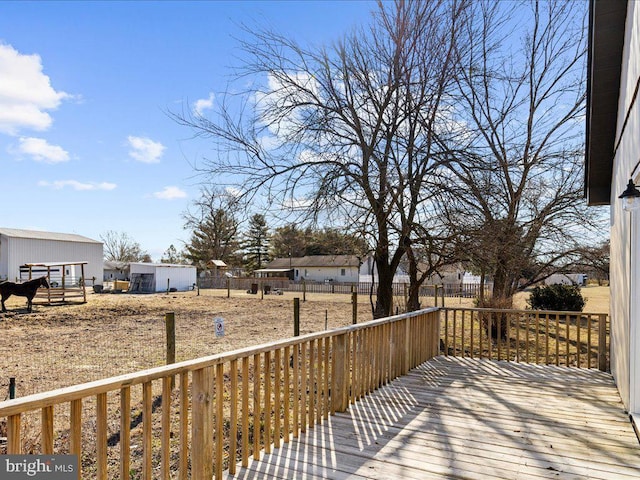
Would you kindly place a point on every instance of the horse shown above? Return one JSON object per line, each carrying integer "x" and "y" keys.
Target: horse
{"x": 26, "y": 289}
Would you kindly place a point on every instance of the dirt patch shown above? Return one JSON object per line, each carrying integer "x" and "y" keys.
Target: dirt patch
{"x": 111, "y": 334}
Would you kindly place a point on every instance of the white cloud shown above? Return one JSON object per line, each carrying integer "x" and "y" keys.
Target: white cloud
{"x": 42, "y": 151}
{"x": 145, "y": 150}
{"x": 170, "y": 193}
{"x": 76, "y": 185}
{"x": 25, "y": 92}
{"x": 204, "y": 104}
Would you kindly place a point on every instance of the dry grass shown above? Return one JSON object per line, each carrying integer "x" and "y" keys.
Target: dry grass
{"x": 113, "y": 334}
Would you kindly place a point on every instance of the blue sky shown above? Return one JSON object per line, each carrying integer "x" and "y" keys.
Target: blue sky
{"x": 86, "y": 145}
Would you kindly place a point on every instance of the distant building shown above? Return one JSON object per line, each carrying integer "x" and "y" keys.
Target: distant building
{"x": 159, "y": 277}
{"x": 115, "y": 271}
{"x": 579, "y": 279}
{"x": 21, "y": 247}
{"x": 314, "y": 268}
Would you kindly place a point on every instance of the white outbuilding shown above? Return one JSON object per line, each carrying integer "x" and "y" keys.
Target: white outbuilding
{"x": 23, "y": 247}
{"x": 160, "y": 277}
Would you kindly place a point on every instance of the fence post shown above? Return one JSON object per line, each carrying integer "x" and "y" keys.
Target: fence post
{"x": 12, "y": 388}
{"x": 168, "y": 285}
{"x": 170, "y": 328}
{"x": 435, "y": 295}
{"x": 602, "y": 343}
{"x": 296, "y": 317}
{"x": 228, "y": 288}
{"x": 354, "y": 307}
{"x": 304, "y": 290}
{"x": 442, "y": 295}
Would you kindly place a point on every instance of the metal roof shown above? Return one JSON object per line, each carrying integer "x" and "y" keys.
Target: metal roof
{"x": 37, "y": 235}
{"x": 315, "y": 261}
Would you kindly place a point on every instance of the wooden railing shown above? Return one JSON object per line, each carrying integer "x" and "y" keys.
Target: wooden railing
{"x": 221, "y": 409}
{"x": 547, "y": 337}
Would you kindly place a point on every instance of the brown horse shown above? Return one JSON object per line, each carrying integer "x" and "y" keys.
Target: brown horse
{"x": 26, "y": 289}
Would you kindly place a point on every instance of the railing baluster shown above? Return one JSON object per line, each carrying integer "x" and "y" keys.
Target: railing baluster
{"x": 147, "y": 431}
{"x": 303, "y": 387}
{"x": 277, "y": 394}
{"x": 245, "y": 411}
{"x": 462, "y": 349}
{"x": 455, "y": 348}
{"x": 14, "y": 442}
{"x": 75, "y": 440}
{"x": 518, "y": 321}
{"x": 256, "y": 407}
{"x": 125, "y": 431}
{"x": 446, "y": 332}
{"x": 296, "y": 391}
{"x": 219, "y": 431}
{"x": 166, "y": 428}
{"x": 589, "y": 341}
{"x": 508, "y": 339}
{"x": 287, "y": 394}
{"x": 101, "y": 436}
{"x": 312, "y": 383}
{"x": 233, "y": 412}
{"x": 527, "y": 334}
{"x": 183, "y": 452}
{"x": 546, "y": 339}
{"x": 47, "y": 430}
{"x": 327, "y": 373}
{"x": 471, "y": 346}
{"x": 568, "y": 337}
{"x": 557, "y": 340}
{"x": 267, "y": 402}
{"x": 480, "y": 328}
{"x": 578, "y": 347}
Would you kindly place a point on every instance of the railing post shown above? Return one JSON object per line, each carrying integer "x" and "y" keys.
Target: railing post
{"x": 602, "y": 343}
{"x": 339, "y": 382}
{"x": 202, "y": 424}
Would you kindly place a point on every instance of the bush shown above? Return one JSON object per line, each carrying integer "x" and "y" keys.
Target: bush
{"x": 566, "y": 298}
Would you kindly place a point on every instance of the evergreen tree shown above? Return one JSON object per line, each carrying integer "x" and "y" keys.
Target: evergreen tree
{"x": 256, "y": 244}
{"x": 213, "y": 238}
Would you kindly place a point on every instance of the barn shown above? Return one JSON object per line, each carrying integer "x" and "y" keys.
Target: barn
{"x": 160, "y": 277}
{"x": 22, "y": 247}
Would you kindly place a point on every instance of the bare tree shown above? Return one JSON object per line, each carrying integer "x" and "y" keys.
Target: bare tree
{"x": 119, "y": 247}
{"x": 513, "y": 181}
{"x": 344, "y": 132}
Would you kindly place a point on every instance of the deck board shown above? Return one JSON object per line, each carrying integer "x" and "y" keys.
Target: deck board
{"x": 469, "y": 419}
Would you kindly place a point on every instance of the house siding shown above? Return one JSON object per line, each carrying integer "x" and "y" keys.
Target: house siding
{"x": 625, "y": 226}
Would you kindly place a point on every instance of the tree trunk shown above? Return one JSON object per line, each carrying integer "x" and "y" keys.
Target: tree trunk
{"x": 384, "y": 291}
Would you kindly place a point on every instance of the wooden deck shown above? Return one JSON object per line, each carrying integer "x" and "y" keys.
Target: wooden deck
{"x": 478, "y": 419}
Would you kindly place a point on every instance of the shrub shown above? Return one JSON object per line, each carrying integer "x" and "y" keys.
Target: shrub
{"x": 566, "y": 298}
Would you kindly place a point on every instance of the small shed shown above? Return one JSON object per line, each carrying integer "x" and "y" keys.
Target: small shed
{"x": 161, "y": 277}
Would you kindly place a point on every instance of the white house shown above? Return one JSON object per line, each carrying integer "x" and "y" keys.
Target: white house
{"x": 612, "y": 160}
{"x": 20, "y": 247}
{"x": 314, "y": 268}
{"x": 160, "y": 277}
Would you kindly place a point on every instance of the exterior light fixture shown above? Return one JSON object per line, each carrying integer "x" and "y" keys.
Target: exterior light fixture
{"x": 630, "y": 197}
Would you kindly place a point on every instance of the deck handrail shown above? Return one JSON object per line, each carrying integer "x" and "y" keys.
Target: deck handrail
{"x": 294, "y": 383}
{"x": 548, "y": 337}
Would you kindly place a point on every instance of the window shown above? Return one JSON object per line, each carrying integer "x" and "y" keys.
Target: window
{"x": 343, "y": 272}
